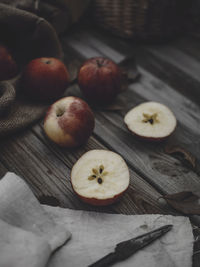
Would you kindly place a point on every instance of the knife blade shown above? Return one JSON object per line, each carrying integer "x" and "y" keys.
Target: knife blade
{"x": 125, "y": 249}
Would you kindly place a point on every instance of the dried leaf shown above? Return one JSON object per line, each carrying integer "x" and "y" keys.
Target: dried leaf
{"x": 129, "y": 69}
{"x": 186, "y": 154}
{"x": 185, "y": 202}
{"x": 49, "y": 200}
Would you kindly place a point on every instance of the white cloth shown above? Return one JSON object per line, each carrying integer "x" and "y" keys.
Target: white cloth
{"x": 29, "y": 233}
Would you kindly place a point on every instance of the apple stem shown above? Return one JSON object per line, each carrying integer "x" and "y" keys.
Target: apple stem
{"x": 99, "y": 64}
{"x": 60, "y": 112}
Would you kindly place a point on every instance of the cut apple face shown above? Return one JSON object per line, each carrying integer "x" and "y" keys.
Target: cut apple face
{"x": 100, "y": 177}
{"x": 151, "y": 120}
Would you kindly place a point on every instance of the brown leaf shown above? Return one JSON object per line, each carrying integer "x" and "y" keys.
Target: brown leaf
{"x": 49, "y": 200}
{"x": 185, "y": 202}
{"x": 129, "y": 69}
{"x": 186, "y": 154}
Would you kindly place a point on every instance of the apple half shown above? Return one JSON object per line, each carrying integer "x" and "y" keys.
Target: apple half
{"x": 151, "y": 121}
{"x": 100, "y": 177}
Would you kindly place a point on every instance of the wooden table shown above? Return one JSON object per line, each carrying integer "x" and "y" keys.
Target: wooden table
{"x": 170, "y": 74}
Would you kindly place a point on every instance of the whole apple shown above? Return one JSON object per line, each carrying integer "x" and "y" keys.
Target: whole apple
{"x": 69, "y": 122}
{"x": 100, "y": 80}
{"x": 45, "y": 78}
{"x": 8, "y": 66}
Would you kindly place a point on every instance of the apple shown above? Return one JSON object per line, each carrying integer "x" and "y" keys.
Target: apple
{"x": 8, "y": 66}
{"x": 151, "y": 121}
{"x": 69, "y": 122}
{"x": 100, "y": 177}
{"x": 100, "y": 80}
{"x": 45, "y": 79}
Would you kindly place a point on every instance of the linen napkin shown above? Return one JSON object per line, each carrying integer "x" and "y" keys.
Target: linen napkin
{"x": 28, "y": 235}
{"x": 30, "y": 232}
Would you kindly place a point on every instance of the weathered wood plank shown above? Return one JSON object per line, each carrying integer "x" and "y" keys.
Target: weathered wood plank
{"x": 189, "y": 46}
{"x": 176, "y": 73}
{"x": 47, "y": 170}
{"x": 3, "y": 170}
{"x": 139, "y": 191}
{"x": 187, "y": 64}
{"x": 151, "y": 88}
{"x": 170, "y": 74}
{"x": 30, "y": 159}
{"x": 143, "y": 159}
{"x": 164, "y": 172}
{"x": 88, "y": 46}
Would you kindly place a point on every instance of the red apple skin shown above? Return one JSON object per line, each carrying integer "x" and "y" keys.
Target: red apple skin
{"x": 75, "y": 125}
{"x": 100, "y": 202}
{"x": 8, "y": 66}
{"x": 45, "y": 79}
{"x": 100, "y": 80}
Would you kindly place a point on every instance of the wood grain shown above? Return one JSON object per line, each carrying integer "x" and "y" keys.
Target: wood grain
{"x": 46, "y": 168}
{"x": 139, "y": 192}
{"x": 164, "y": 172}
{"x": 169, "y": 74}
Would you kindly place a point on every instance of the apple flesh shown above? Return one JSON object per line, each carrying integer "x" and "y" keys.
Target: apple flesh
{"x": 151, "y": 121}
{"x": 8, "y": 66}
{"x": 100, "y": 177}
{"x": 45, "y": 79}
{"x": 69, "y": 122}
{"x": 100, "y": 80}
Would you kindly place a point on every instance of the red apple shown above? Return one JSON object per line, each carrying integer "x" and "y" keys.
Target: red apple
{"x": 100, "y": 80}
{"x": 69, "y": 122}
{"x": 8, "y": 66}
{"x": 100, "y": 177}
{"x": 151, "y": 121}
{"x": 45, "y": 78}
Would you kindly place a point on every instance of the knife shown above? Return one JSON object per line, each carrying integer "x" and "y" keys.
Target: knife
{"x": 125, "y": 249}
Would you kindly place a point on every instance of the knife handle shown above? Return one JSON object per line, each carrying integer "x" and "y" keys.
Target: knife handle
{"x": 105, "y": 261}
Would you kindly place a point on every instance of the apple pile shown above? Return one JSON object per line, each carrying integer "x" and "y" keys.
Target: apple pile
{"x": 100, "y": 177}
{"x": 100, "y": 80}
{"x": 151, "y": 121}
{"x": 45, "y": 79}
{"x": 8, "y": 66}
{"x": 69, "y": 122}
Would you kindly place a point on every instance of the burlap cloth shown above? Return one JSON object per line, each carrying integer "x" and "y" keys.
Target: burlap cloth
{"x": 28, "y": 36}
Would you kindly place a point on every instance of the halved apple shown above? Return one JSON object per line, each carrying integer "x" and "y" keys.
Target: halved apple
{"x": 151, "y": 121}
{"x": 100, "y": 177}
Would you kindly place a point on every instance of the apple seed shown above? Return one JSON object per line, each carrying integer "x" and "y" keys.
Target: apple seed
{"x": 98, "y": 173}
{"x": 101, "y": 168}
{"x": 99, "y": 180}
